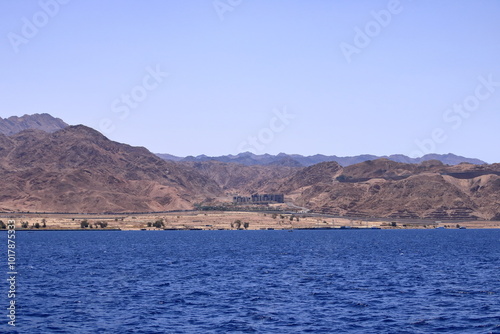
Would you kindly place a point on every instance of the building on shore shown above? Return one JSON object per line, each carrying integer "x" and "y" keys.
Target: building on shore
{"x": 259, "y": 199}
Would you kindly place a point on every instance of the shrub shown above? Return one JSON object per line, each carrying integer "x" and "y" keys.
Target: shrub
{"x": 236, "y": 224}
{"x": 159, "y": 223}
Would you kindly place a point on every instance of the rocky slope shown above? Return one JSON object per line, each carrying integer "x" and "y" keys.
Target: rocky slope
{"x": 44, "y": 122}
{"x": 383, "y": 188}
{"x": 79, "y": 170}
{"x": 238, "y": 178}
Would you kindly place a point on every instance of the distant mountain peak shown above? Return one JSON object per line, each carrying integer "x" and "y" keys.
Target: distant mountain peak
{"x": 45, "y": 122}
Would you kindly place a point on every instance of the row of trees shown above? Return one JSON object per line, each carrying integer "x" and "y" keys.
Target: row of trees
{"x": 238, "y": 223}
{"x": 292, "y": 217}
{"x": 85, "y": 224}
{"x": 26, "y": 224}
{"x": 158, "y": 224}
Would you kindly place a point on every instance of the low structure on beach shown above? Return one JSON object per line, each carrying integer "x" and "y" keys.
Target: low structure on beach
{"x": 259, "y": 199}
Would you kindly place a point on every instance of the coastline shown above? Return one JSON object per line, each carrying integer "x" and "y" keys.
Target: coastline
{"x": 225, "y": 220}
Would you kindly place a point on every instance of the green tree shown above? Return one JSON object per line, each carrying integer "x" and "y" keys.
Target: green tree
{"x": 37, "y": 225}
{"x": 84, "y": 223}
{"x": 2, "y": 225}
{"x": 159, "y": 223}
{"x": 236, "y": 224}
{"x": 246, "y": 225}
{"x": 101, "y": 224}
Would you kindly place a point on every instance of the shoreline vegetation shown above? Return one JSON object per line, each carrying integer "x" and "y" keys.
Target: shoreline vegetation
{"x": 222, "y": 220}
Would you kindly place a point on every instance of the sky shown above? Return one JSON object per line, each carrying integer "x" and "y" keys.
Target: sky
{"x": 221, "y": 77}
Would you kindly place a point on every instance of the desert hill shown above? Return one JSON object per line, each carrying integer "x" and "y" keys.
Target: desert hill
{"x": 44, "y": 122}
{"x": 375, "y": 188}
{"x": 77, "y": 169}
{"x": 239, "y": 178}
{"x": 383, "y": 188}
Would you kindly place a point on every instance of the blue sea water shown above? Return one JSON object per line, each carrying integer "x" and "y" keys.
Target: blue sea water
{"x": 341, "y": 281}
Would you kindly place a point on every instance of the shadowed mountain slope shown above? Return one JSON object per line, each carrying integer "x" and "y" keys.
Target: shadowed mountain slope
{"x": 77, "y": 169}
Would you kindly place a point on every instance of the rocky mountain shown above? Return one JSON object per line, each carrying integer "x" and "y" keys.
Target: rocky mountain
{"x": 384, "y": 188}
{"x": 295, "y": 160}
{"x": 44, "y": 122}
{"x": 238, "y": 178}
{"x": 375, "y": 188}
{"x": 77, "y": 169}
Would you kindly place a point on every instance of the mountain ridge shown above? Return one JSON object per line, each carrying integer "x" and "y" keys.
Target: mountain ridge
{"x": 45, "y": 122}
{"x": 295, "y": 160}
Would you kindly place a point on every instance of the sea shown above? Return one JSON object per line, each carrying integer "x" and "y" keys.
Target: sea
{"x": 303, "y": 281}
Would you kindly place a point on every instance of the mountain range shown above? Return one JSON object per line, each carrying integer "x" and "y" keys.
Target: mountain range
{"x": 77, "y": 169}
{"x": 297, "y": 160}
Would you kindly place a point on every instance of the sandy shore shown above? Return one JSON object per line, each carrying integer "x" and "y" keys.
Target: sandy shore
{"x": 224, "y": 221}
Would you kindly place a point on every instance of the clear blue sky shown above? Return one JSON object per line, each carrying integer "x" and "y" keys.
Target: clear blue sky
{"x": 352, "y": 84}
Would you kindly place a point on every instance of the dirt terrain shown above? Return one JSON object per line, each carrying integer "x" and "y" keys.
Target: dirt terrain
{"x": 224, "y": 220}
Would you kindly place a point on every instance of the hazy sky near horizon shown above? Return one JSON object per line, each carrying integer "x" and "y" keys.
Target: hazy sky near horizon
{"x": 226, "y": 76}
